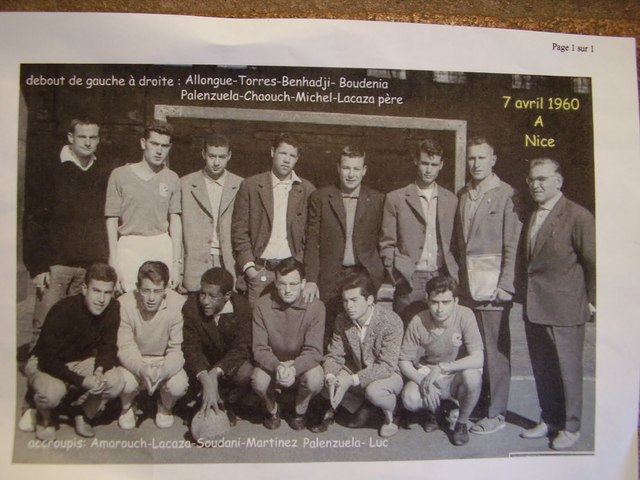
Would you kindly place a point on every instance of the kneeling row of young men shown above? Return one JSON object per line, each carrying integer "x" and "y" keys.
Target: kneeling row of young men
{"x": 93, "y": 349}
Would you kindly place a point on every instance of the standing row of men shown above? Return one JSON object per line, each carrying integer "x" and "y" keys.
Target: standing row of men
{"x": 249, "y": 227}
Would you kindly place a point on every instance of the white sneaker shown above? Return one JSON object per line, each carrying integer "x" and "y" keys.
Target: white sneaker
{"x": 127, "y": 419}
{"x": 164, "y": 417}
{"x": 565, "y": 439}
{"x": 27, "y": 422}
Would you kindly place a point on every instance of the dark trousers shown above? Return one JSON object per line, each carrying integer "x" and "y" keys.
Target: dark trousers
{"x": 556, "y": 358}
{"x": 494, "y": 328}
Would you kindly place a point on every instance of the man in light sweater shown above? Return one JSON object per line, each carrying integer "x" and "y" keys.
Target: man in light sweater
{"x": 149, "y": 344}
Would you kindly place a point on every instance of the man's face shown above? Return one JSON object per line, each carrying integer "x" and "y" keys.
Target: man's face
{"x": 442, "y": 305}
{"x": 544, "y": 182}
{"x": 351, "y": 171}
{"x": 284, "y": 158}
{"x": 84, "y": 140}
{"x": 289, "y": 286}
{"x": 216, "y": 159}
{"x": 152, "y": 294}
{"x": 355, "y": 304}
{"x": 212, "y": 299}
{"x": 480, "y": 161}
{"x": 97, "y": 295}
{"x": 428, "y": 167}
{"x": 155, "y": 149}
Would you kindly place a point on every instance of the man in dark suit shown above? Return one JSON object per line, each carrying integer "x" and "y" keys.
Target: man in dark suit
{"x": 560, "y": 298}
{"x": 270, "y": 217}
{"x": 217, "y": 341}
{"x": 342, "y": 233}
{"x": 417, "y": 228}
{"x": 487, "y": 232}
{"x": 208, "y": 197}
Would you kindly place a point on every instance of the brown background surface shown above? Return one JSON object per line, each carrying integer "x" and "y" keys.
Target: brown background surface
{"x": 610, "y": 18}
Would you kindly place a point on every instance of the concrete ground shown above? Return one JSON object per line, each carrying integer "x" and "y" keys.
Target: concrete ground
{"x": 251, "y": 442}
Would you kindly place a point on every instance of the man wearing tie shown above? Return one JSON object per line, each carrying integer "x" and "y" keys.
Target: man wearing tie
{"x": 560, "y": 298}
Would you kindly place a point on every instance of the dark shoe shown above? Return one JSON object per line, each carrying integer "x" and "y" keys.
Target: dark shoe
{"x": 233, "y": 418}
{"x": 460, "y": 435}
{"x": 298, "y": 422}
{"x": 272, "y": 422}
{"x": 323, "y": 426}
{"x": 82, "y": 427}
{"x": 361, "y": 418}
{"x": 431, "y": 423}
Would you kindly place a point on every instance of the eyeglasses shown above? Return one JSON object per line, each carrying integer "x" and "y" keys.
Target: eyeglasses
{"x": 531, "y": 181}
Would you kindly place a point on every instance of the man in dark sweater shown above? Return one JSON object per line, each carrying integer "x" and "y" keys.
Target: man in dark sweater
{"x": 287, "y": 344}
{"x": 77, "y": 348}
{"x": 63, "y": 228}
{"x": 217, "y": 340}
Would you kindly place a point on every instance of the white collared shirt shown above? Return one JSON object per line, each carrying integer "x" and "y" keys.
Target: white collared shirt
{"x": 227, "y": 308}
{"x": 214, "y": 190}
{"x": 278, "y": 246}
{"x": 67, "y": 155}
{"x": 539, "y": 216}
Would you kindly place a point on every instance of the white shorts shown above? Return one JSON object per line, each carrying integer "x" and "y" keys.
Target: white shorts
{"x": 134, "y": 250}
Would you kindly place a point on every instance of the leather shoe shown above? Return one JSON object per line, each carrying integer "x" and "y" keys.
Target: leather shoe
{"x": 82, "y": 427}
{"x": 541, "y": 430}
{"x": 460, "y": 434}
{"x": 360, "y": 419}
{"x": 272, "y": 422}
{"x": 298, "y": 422}
{"x": 323, "y": 426}
{"x": 565, "y": 439}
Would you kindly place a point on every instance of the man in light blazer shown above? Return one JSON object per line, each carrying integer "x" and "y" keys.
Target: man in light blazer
{"x": 342, "y": 233}
{"x": 208, "y": 197}
{"x": 362, "y": 359}
{"x": 559, "y": 245}
{"x": 417, "y": 229}
{"x": 270, "y": 217}
{"x": 488, "y": 228}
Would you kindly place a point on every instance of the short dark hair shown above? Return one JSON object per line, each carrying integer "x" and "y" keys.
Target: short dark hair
{"x": 159, "y": 126}
{"x": 101, "y": 272}
{"x": 479, "y": 140}
{"x": 289, "y": 265}
{"x": 353, "y": 151}
{"x": 81, "y": 121}
{"x": 442, "y": 284}
{"x": 361, "y": 279}
{"x": 220, "y": 277}
{"x": 430, "y": 146}
{"x": 286, "y": 138}
{"x": 546, "y": 160}
{"x": 155, "y": 271}
{"x": 217, "y": 140}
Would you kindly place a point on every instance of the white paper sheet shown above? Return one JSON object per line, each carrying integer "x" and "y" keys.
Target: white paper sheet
{"x": 170, "y": 40}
